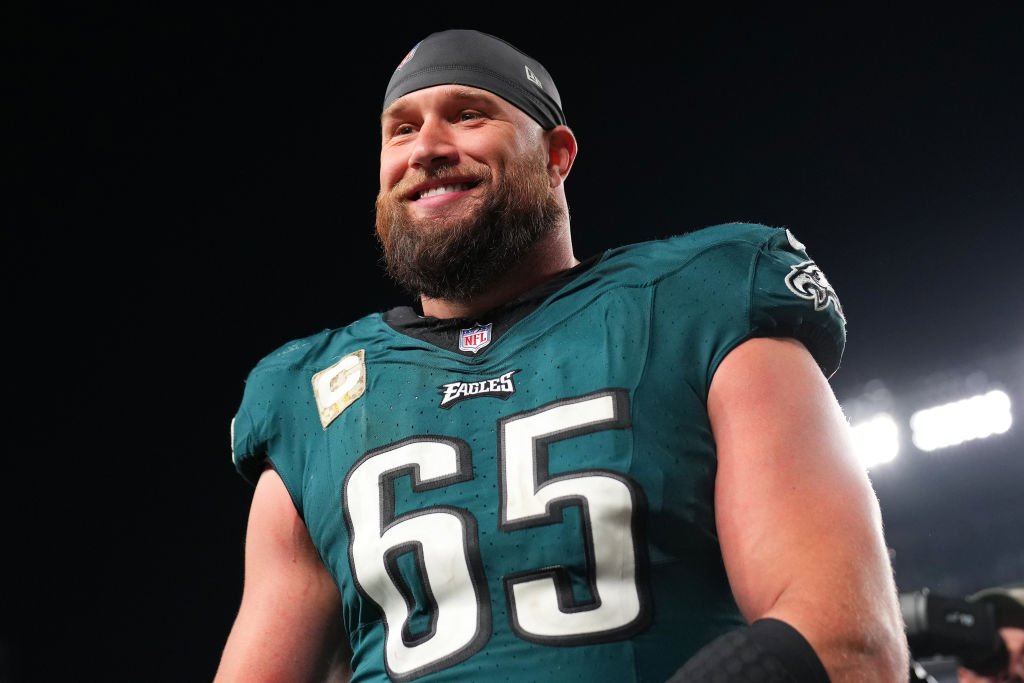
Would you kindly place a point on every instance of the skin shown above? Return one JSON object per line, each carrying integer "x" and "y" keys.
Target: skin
{"x": 799, "y": 524}
{"x": 1014, "y": 639}
{"x": 289, "y": 626}
{"x": 458, "y": 127}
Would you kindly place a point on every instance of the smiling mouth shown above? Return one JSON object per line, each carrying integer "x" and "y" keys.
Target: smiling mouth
{"x": 443, "y": 189}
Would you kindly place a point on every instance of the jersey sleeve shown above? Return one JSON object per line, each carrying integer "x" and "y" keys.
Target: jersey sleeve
{"x": 249, "y": 436}
{"x": 791, "y": 297}
{"x": 276, "y": 420}
{"x": 735, "y": 282}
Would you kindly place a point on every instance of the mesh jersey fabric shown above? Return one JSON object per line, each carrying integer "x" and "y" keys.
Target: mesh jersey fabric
{"x": 558, "y": 524}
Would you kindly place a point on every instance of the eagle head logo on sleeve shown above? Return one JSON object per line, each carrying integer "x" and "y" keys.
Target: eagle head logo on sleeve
{"x": 808, "y": 282}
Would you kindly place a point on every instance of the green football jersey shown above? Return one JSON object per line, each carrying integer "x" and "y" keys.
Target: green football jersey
{"x": 536, "y": 505}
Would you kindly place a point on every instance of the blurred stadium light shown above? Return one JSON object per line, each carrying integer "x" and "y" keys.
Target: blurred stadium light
{"x": 944, "y": 410}
{"x": 876, "y": 439}
{"x": 977, "y": 417}
{"x": 952, "y": 522}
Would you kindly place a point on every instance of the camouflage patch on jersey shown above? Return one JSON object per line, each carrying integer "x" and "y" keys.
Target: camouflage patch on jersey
{"x": 337, "y": 387}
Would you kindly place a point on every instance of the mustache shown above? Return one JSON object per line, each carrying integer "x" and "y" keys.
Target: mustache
{"x": 474, "y": 173}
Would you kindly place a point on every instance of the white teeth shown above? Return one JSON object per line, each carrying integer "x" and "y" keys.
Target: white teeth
{"x": 443, "y": 189}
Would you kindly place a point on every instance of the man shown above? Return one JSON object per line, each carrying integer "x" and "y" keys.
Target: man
{"x": 1008, "y": 607}
{"x": 555, "y": 470}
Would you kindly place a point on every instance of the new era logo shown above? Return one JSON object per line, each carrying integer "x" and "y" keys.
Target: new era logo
{"x": 532, "y": 77}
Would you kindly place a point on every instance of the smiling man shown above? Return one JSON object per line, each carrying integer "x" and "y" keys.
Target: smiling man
{"x": 471, "y": 188}
{"x": 626, "y": 469}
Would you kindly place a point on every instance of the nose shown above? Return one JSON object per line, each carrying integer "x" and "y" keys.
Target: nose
{"x": 435, "y": 145}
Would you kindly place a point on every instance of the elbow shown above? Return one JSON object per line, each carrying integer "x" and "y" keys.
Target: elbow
{"x": 889, "y": 658}
{"x": 877, "y": 651}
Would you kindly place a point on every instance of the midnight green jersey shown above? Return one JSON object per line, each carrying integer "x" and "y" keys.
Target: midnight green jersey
{"x": 537, "y": 506}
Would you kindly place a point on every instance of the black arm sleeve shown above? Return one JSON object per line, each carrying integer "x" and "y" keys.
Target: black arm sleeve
{"x": 768, "y": 651}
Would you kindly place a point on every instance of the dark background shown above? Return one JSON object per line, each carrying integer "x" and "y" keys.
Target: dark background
{"x": 191, "y": 188}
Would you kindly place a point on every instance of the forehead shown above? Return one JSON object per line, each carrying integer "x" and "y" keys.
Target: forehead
{"x": 447, "y": 95}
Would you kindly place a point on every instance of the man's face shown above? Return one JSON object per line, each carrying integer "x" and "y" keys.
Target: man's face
{"x": 1014, "y": 639}
{"x": 465, "y": 190}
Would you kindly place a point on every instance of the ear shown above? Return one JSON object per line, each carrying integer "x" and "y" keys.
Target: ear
{"x": 561, "y": 145}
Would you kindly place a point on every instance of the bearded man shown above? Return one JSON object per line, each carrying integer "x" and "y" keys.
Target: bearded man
{"x": 626, "y": 469}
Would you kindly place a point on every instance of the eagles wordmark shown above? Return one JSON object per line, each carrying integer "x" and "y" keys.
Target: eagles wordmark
{"x": 498, "y": 387}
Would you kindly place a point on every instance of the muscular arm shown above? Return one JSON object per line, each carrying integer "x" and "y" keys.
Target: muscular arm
{"x": 798, "y": 521}
{"x": 289, "y": 625}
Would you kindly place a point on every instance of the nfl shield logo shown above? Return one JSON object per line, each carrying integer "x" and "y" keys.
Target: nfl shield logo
{"x": 408, "y": 56}
{"x": 475, "y": 338}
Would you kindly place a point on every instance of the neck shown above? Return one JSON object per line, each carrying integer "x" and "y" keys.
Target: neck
{"x": 547, "y": 259}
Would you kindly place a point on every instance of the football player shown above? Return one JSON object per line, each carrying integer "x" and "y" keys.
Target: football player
{"x": 630, "y": 468}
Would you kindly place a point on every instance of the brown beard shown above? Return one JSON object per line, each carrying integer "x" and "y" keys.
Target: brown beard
{"x": 459, "y": 259}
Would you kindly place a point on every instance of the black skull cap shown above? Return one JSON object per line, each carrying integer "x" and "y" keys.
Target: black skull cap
{"x": 479, "y": 60}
